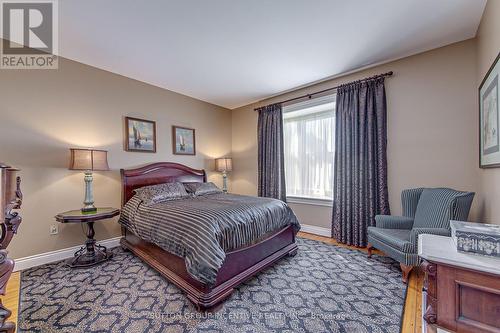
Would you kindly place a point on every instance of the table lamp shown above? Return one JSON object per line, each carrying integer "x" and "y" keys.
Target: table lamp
{"x": 88, "y": 160}
{"x": 224, "y": 165}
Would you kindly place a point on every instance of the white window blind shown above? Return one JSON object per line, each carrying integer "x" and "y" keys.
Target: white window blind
{"x": 309, "y": 137}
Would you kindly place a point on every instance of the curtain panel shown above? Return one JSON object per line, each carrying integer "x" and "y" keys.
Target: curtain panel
{"x": 271, "y": 162}
{"x": 360, "y": 179}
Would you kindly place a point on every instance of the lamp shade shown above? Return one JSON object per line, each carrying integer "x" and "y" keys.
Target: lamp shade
{"x": 224, "y": 164}
{"x": 88, "y": 159}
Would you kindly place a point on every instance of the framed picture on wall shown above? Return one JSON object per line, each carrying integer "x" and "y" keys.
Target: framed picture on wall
{"x": 183, "y": 141}
{"x": 140, "y": 135}
{"x": 489, "y": 119}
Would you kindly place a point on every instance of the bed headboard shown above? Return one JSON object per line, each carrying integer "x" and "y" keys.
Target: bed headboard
{"x": 157, "y": 173}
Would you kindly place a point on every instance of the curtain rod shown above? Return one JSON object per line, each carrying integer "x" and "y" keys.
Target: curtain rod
{"x": 333, "y": 88}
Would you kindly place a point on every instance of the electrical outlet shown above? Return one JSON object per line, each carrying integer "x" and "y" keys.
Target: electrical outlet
{"x": 54, "y": 230}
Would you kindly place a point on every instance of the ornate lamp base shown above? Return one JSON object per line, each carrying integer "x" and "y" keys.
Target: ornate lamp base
{"x": 89, "y": 209}
{"x": 89, "y": 194}
{"x": 224, "y": 181}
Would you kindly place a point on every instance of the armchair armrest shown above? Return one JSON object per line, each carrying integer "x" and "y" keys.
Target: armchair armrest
{"x": 433, "y": 231}
{"x": 393, "y": 222}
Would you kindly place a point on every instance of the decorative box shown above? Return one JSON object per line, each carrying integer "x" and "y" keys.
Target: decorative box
{"x": 476, "y": 238}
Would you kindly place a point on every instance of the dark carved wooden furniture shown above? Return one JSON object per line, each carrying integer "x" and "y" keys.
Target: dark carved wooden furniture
{"x": 239, "y": 265}
{"x": 10, "y": 200}
{"x": 91, "y": 253}
{"x": 462, "y": 290}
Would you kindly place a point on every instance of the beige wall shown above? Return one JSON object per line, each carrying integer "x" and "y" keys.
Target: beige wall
{"x": 432, "y": 127}
{"x": 45, "y": 112}
{"x": 488, "y": 46}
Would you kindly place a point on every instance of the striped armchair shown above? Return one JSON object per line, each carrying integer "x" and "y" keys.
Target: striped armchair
{"x": 425, "y": 211}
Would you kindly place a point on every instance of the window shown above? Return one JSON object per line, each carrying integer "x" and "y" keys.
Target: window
{"x": 309, "y": 137}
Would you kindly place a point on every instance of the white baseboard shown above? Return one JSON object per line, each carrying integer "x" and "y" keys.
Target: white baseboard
{"x": 48, "y": 257}
{"x": 312, "y": 229}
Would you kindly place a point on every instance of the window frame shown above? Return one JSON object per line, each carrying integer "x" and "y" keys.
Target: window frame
{"x": 309, "y": 201}
{"x": 305, "y": 200}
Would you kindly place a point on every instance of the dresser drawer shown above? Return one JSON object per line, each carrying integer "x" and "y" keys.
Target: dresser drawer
{"x": 468, "y": 301}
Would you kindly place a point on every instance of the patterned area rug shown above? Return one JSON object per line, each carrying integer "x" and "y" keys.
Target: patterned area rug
{"x": 325, "y": 288}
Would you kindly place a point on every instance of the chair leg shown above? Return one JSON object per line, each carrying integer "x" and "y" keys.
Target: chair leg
{"x": 406, "y": 272}
{"x": 370, "y": 249}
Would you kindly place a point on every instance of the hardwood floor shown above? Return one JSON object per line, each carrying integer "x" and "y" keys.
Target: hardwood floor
{"x": 412, "y": 319}
{"x": 11, "y": 298}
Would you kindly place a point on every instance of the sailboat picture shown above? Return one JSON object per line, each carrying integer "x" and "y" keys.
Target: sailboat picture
{"x": 140, "y": 135}
{"x": 183, "y": 141}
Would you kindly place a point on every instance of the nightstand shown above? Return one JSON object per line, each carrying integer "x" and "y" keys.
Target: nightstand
{"x": 91, "y": 253}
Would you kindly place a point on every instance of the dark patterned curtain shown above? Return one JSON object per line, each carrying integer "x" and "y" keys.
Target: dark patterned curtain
{"x": 360, "y": 181}
{"x": 271, "y": 153}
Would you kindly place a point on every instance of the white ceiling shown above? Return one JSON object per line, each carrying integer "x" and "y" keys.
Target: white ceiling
{"x": 234, "y": 52}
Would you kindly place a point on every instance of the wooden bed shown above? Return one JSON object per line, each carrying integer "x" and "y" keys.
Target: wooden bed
{"x": 239, "y": 265}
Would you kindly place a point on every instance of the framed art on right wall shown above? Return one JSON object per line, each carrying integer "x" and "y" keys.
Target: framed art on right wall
{"x": 489, "y": 119}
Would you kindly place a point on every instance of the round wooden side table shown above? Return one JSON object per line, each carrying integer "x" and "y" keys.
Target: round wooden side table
{"x": 91, "y": 253}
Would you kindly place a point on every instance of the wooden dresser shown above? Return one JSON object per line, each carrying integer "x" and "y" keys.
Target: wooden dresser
{"x": 10, "y": 201}
{"x": 462, "y": 290}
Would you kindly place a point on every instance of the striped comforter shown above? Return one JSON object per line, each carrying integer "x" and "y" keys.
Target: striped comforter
{"x": 201, "y": 229}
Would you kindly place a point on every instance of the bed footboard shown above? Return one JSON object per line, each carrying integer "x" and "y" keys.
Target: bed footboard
{"x": 239, "y": 265}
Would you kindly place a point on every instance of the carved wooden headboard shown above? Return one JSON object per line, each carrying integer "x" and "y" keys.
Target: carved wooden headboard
{"x": 157, "y": 173}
